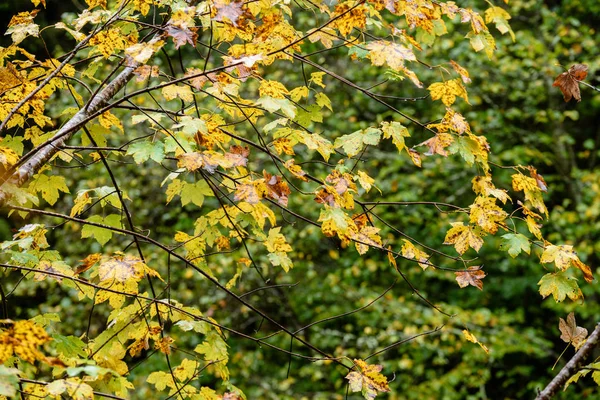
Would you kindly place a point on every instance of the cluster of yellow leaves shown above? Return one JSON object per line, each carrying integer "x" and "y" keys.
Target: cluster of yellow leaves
{"x": 22, "y": 339}
{"x": 120, "y": 274}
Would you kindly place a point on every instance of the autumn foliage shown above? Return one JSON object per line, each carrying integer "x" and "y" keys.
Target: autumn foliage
{"x": 197, "y": 100}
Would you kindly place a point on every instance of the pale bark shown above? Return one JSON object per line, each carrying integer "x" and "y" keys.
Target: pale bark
{"x": 44, "y": 152}
{"x": 571, "y": 367}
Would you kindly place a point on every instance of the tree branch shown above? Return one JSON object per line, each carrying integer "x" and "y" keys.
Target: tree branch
{"x": 571, "y": 367}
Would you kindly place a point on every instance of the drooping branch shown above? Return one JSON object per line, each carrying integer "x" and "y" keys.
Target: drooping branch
{"x": 571, "y": 367}
{"x": 50, "y": 148}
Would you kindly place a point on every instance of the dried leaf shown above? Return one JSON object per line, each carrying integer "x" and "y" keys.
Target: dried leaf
{"x": 567, "y": 81}
{"x": 570, "y": 332}
{"x": 472, "y": 276}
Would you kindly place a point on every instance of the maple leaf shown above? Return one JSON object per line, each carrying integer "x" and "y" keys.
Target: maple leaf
{"x": 514, "y": 243}
{"x": 483, "y": 185}
{"x": 486, "y": 214}
{"x": 21, "y": 26}
{"x": 145, "y": 150}
{"x": 368, "y": 380}
{"x": 587, "y": 271}
{"x": 230, "y": 12}
{"x": 464, "y": 74}
{"x": 438, "y": 144}
{"x": 472, "y": 276}
{"x": 367, "y": 237}
{"x": 415, "y": 157}
{"x": 410, "y": 251}
{"x": 463, "y": 237}
{"x": 88, "y": 263}
{"x": 336, "y": 222}
{"x": 483, "y": 41}
{"x": 448, "y": 91}
{"x": 181, "y": 35}
{"x": 562, "y": 255}
{"x": 397, "y": 132}
{"x": 499, "y": 17}
{"x": 247, "y": 192}
{"x": 277, "y": 189}
{"x": 392, "y": 54}
{"x": 102, "y": 235}
{"x": 568, "y": 84}
{"x": 8, "y": 157}
{"x": 559, "y": 286}
{"x": 570, "y": 332}
{"x": 142, "y": 52}
{"x": 354, "y": 142}
{"x": 49, "y": 186}
{"x": 74, "y": 388}
{"x": 356, "y": 18}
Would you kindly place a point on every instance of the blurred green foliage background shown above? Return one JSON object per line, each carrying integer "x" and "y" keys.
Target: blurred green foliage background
{"x": 527, "y": 122}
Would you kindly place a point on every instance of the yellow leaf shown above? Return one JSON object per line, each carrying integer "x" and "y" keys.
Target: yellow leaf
{"x": 448, "y": 91}
{"x": 486, "y": 214}
{"x": 471, "y": 338}
{"x": 532, "y": 191}
{"x": 562, "y": 255}
{"x": 382, "y": 52}
{"x": 463, "y": 237}
{"x": 273, "y": 89}
{"x": 172, "y": 92}
{"x": 411, "y": 252}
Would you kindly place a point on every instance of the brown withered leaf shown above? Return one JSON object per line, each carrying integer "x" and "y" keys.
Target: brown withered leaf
{"x": 539, "y": 180}
{"x": 181, "y": 36}
{"x": 567, "y": 81}
{"x": 278, "y": 189}
{"x": 570, "y": 332}
{"x": 230, "y": 12}
{"x": 472, "y": 276}
{"x": 238, "y": 155}
{"x": 144, "y": 72}
{"x": 199, "y": 78}
{"x": 323, "y": 196}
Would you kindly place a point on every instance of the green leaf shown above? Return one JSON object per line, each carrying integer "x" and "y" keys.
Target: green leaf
{"x": 194, "y": 193}
{"x": 323, "y": 101}
{"x": 284, "y": 105}
{"x": 45, "y": 319}
{"x": 514, "y": 244}
{"x": 353, "y": 143}
{"x": 69, "y": 346}
{"x": 102, "y": 235}
{"x": 559, "y": 286}
{"x": 281, "y": 258}
{"x": 142, "y": 151}
{"x": 49, "y": 186}
{"x": 465, "y": 146}
{"x": 9, "y": 381}
{"x": 317, "y": 142}
{"x": 310, "y": 114}
{"x": 397, "y": 132}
